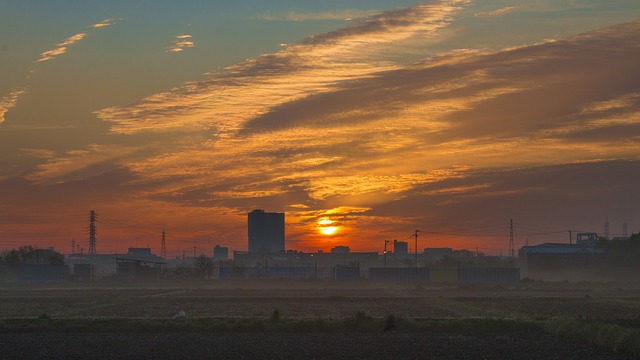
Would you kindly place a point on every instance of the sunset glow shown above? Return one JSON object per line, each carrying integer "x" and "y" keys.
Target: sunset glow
{"x": 326, "y": 226}
{"x": 374, "y": 120}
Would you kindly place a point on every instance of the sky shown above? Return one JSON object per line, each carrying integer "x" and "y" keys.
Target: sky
{"x": 362, "y": 121}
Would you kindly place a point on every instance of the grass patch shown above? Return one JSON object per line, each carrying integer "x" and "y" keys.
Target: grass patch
{"x": 612, "y": 336}
{"x": 359, "y": 322}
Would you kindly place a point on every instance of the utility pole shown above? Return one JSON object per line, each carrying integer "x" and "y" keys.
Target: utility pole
{"x": 163, "y": 247}
{"x": 385, "y": 252}
{"x": 625, "y": 229}
{"x": 606, "y": 227}
{"x": 415, "y": 235}
{"x": 511, "y": 245}
{"x": 92, "y": 232}
{"x": 570, "y": 238}
{"x": 73, "y": 245}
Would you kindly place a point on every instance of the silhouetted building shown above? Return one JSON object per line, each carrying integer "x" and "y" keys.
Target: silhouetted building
{"x": 400, "y": 249}
{"x": 137, "y": 269}
{"x": 340, "y": 249}
{"x": 266, "y": 232}
{"x": 436, "y": 254}
{"x": 220, "y": 253}
{"x": 142, "y": 254}
{"x": 84, "y": 272}
{"x": 548, "y": 259}
{"x": 588, "y": 240}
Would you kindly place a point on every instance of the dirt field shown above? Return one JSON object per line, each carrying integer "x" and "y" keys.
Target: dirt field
{"x": 295, "y": 346}
{"x": 542, "y": 320}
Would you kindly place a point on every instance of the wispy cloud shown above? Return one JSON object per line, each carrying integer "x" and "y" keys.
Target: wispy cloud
{"x": 497, "y": 12}
{"x": 181, "y": 42}
{"x": 61, "y": 48}
{"x": 11, "y": 100}
{"x": 104, "y": 23}
{"x": 338, "y": 122}
{"x": 78, "y": 164}
{"x": 8, "y": 102}
{"x": 349, "y": 14}
{"x": 314, "y": 66}
{"x": 372, "y": 137}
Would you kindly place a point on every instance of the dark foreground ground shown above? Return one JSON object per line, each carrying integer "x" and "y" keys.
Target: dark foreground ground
{"x": 533, "y": 345}
{"x": 319, "y": 320}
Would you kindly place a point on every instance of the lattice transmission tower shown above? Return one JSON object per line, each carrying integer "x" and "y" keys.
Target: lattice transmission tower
{"x": 163, "y": 247}
{"x": 511, "y": 243}
{"x": 92, "y": 232}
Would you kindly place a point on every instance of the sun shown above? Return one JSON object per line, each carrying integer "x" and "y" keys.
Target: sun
{"x": 326, "y": 227}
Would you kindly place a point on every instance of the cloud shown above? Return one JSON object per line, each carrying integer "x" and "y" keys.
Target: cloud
{"x": 181, "y": 42}
{"x": 104, "y": 23}
{"x": 39, "y": 153}
{"x": 494, "y": 13}
{"x": 319, "y": 123}
{"x": 78, "y": 164}
{"x": 315, "y": 16}
{"x": 61, "y": 48}
{"x": 375, "y": 138}
{"x": 9, "y": 101}
{"x": 314, "y": 66}
{"x": 339, "y": 121}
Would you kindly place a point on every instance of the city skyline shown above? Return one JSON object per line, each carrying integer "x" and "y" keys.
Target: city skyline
{"x": 361, "y": 121}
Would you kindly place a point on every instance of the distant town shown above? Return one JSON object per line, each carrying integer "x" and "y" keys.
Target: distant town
{"x": 587, "y": 256}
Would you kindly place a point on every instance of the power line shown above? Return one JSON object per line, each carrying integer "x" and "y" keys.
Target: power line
{"x": 491, "y": 235}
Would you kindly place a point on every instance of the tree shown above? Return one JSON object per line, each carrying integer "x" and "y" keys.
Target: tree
{"x": 30, "y": 255}
{"x": 204, "y": 266}
{"x": 16, "y": 257}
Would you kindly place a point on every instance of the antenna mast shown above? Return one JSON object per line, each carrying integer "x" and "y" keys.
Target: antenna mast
{"x": 511, "y": 245}
{"x": 163, "y": 247}
{"x": 92, "y": 232}
{"x": 415, "y": 235}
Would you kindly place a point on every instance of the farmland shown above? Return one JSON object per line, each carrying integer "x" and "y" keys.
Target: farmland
{"x": 337, "y": 319}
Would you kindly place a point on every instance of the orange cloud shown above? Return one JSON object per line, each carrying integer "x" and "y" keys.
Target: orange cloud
{"x": 340, "y": 129}
{"x": 324, "y": 15}
{"x": 104, "y": 23}
{"x": 497, "y": 12}
{"x": 181, "y": 42}
{"x": 61, "y": 47}
{"x": 8, "y": 102}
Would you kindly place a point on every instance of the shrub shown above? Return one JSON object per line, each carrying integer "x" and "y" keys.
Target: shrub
{"x": 390, "y": 323}
{"x": 275, "y": 315}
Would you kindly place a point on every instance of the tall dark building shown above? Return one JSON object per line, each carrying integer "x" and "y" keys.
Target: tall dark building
{"x": 266, "y": 232}
{"x": 400, "y": 249}
{"x": 220, "y": 253}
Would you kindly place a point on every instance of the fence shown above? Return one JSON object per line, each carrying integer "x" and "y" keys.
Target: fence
{"x": 399, "y": 275}
{"x": 488, "y": 275}
{"x": 289, "y": 272}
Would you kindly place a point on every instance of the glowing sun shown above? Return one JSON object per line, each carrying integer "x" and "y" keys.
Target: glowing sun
{"x": 326, "y": 227}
